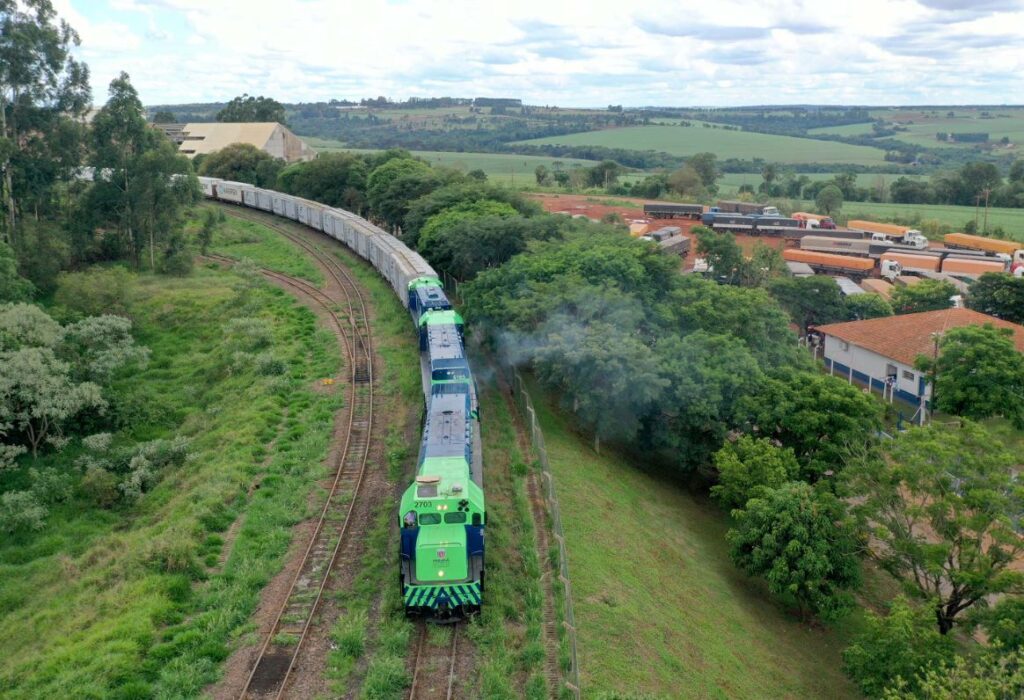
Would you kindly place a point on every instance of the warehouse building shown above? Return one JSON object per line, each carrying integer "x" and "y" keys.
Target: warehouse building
{"x": 880, "y": 352}
{"x": 201, "y": 138}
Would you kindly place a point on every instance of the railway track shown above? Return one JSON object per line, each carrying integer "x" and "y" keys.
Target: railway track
{"x": 433, "y": 672}
{"x": 280, "y": 651}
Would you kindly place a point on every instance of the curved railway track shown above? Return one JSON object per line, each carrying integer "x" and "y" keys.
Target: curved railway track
{"x": 434, "y": 670}
{"x": 279, "y": 653}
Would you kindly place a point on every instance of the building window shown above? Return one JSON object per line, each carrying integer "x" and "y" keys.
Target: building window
{"x": 844, "y": 346}
{"x": 908, "y": 375}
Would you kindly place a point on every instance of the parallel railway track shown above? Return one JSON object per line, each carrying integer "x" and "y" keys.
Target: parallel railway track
{"x": 280, "y": 651}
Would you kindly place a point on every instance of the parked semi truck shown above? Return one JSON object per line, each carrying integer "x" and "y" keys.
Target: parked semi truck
{"x": 664, "y": 210}
{"x": 809, "y": 220}
{"x": 849, "y": 265}
{"x": 962, "y": 266}
{"x": 1011, "y": 250}
{"x": 733, "y": 207}
{"x": 899, "y": 235}
{"x": 848, "y": 246}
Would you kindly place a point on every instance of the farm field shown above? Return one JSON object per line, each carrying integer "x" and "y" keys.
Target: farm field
{"x": 725, "y": 143}
{"x": 659, "y": 606}
{"x": 1011, "y": 220}
{"x": 922, "y": 126}
{"x": 500, "y": 167}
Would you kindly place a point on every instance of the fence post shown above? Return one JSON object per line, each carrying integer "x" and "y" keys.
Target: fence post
{"x": 525, "y": 405}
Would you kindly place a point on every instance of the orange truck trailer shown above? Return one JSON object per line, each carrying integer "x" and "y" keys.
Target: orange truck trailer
{"x": 848, "y": 264}
{"x": 875, "y": 227}
{"x": 915, "y": 263}
{"x": 1012, "y": 249}
{"x": 972, "y": 267}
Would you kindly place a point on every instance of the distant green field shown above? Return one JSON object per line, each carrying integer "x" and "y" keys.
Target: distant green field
{"x": 923, "y": 125}
{"x": 724, "y": 143}
{"x": 1012, "y": 220}
{"x": 508, "y": 168}
{"x": 659, "y": 607}
{"x": 844, "y": 130}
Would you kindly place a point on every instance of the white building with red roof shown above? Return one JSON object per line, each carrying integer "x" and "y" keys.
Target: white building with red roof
{"x": 880, "y": 352}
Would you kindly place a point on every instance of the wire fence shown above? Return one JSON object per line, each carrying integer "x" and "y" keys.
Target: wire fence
{"x": 525, "y": 405}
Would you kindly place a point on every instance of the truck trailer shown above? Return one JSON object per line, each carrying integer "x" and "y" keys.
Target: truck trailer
{"x": 729, "y": 206}
{"x": 809, "y": 220}
{"x": 660, "y": 210}
{"x": 1011, "y": 249}
{"x": 826, "y": 262}
{"x": 849, "y": 246}
{"x": 972, "y": 268}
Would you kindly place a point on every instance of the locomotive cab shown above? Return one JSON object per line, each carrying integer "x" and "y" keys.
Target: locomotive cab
{"x": 427, "y": 294}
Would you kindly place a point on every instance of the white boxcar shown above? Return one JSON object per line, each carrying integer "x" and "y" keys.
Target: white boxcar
{"x": 228, "y": 191}
{"x": 264, "y": 199}
{"x": 311, "y": 213}
{"x": 249, "y": 196}
{"x": 207, "y": 184}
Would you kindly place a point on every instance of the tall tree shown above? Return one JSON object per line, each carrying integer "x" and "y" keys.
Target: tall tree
{"x": 978, "y": 373}
{"x": 42, "y": 86}
{"x": 830, "y": 200}
{"x": 141, "y": 181}
{"x": 810, "y": 301}
{"x": 998, "y": 295}
{"x": 247, "y": 108}
{"x": 706, "y": 165}
{"x": 824, "y": 419}
{"x": 943, "y": 509}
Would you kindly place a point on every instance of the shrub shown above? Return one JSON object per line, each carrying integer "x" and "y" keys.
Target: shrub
{"x": 19, "y": 510}
{"x": 749, "y": 466}
{"x": 894, "y": 649}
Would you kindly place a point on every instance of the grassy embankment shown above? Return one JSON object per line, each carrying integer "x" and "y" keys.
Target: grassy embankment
{"x": 659, "y": 606}
{"x": 726, "y": 143}
{"x": 136, "y": 601}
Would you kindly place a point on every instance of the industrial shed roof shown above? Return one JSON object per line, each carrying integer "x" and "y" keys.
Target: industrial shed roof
{"x": 207, "y": 137}
{"x": 903, "y": 338}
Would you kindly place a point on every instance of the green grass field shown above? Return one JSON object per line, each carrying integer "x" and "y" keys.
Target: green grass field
{"x": 686, "y": 141}
{"x": 1011, "y": 220}
{"x": 500, "y": 167}
{"x": 659, "y": 606}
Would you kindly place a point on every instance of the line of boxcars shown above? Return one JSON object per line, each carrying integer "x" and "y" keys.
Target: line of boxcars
{"x": 442, "y": 514}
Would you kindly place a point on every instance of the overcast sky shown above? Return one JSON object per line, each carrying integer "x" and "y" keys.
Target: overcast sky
{"x": 728, "y": 52}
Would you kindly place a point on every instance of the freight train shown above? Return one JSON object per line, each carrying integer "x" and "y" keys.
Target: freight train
{"x": 442, "y": 515}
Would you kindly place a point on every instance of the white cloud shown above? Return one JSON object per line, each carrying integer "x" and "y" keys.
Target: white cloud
{"x": 568, "y": 53}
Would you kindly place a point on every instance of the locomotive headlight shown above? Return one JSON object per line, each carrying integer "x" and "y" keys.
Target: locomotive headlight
{"x": 440, "y": 574}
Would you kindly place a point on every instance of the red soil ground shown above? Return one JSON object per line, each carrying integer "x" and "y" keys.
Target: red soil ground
{"x": 632, "y": 210}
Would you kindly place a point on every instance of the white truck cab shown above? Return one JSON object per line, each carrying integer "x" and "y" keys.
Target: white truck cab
{"x": 910, "y": 239}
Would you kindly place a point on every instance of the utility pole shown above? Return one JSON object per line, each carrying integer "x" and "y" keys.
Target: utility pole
{"x": 987, "y": 193}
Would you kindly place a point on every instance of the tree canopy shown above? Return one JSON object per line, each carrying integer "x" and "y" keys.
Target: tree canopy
{"x": 926, "y": 295}
{"x": 243, "y": 162}
{"x": 944, "y": 507}
{"x": 978, "y": 373}
{"x": 797, "y": 539}
{"x": 998, "y": 295}
{"x": 248, "y": 108}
